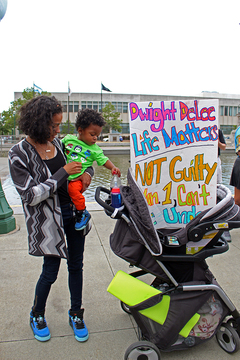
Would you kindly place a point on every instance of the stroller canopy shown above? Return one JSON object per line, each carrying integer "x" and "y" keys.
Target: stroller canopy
{"x": 139, "y": 214}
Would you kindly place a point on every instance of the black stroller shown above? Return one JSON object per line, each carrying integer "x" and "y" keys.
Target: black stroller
{"x": 177, "y": 260}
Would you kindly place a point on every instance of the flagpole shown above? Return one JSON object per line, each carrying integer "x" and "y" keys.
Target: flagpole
{"x": 68, "y": 110}
{"x": 101, "y": 137}
{"x": 101, "y": 97}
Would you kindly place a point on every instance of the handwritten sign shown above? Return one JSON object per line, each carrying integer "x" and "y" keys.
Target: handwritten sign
{"x": 174, "y": 157}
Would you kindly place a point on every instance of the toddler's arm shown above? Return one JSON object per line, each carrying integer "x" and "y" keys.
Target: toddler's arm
{"x": 110, "y": 166}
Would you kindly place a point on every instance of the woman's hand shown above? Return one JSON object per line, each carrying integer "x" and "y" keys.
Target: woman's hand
{"x": 74, "y": 167}
{"x": 86, "y": 180}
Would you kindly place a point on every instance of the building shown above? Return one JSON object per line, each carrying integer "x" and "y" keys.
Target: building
{"x": 229, "y": 105}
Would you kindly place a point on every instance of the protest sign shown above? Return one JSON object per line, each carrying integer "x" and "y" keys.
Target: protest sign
{"x": 174, "y": 157}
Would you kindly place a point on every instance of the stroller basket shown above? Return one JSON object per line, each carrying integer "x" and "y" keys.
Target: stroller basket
{"x": 155, "y": 312}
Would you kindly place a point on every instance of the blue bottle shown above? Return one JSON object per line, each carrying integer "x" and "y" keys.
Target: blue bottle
{"x": 116, "y": 199}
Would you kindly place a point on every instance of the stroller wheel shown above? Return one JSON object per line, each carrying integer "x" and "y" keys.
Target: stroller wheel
{"x": 228, "y": 338}
{"x": 144, "y": 350}
{"x": 125, "y": 307}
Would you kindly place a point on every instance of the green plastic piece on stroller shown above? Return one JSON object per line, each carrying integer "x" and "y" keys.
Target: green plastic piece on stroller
{"x": 189, "y": 325}
{"x": 132, "y": 291}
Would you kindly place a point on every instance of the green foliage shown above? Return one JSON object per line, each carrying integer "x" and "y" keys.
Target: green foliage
{"x": 112, "y": 118}
{"x": 3, "y": 127}
{"x": 64, "y": 128}
{"x": 9, "y": 118}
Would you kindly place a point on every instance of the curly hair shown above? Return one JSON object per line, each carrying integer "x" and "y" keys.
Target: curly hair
{"x": 86, "y": 117}
{"x": 36, "y": 117}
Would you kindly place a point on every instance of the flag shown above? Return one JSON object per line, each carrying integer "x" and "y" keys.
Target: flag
{"x": 38, "y": 89}
{"x": 104, "y": 88}
{"x": 69, "y": 90}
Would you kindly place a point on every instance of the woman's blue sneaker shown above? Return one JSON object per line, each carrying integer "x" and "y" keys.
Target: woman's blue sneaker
{"x": 82, "y": 223}
{"x": 39, "y": 326}
{"x": 78, "y": 325}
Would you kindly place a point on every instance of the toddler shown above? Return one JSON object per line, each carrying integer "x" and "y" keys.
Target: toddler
{"x": 89, "y": 124}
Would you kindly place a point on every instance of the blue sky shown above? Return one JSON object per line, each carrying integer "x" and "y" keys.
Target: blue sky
{"x": 148, "y": 47}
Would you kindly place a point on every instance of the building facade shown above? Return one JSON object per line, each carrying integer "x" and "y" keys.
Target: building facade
{"x": 229, "y": 105}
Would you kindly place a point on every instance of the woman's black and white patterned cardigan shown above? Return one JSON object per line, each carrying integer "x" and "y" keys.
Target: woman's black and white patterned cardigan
{"x": 37, "y": 188}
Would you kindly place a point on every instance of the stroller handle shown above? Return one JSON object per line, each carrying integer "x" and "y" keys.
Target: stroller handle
{"x": 110, "y": 211}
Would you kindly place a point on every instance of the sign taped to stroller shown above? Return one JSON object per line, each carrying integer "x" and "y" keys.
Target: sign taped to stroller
{"x": 174, "y": 157}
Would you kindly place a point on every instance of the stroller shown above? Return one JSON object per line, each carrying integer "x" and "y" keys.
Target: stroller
{"x": 185, "y": 306}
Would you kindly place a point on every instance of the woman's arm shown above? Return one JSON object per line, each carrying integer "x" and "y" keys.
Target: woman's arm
{"x": 237, "y": 196}
{"x": 30, "y": 191}
{"x": 222, "y": 146}
{"x": 24, "y": 172}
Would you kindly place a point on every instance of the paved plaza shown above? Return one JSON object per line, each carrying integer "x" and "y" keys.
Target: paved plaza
{"x": 111, "y": 330}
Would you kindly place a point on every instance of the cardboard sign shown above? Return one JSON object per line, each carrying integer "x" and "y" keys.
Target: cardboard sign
{"x": 174, "y": 157}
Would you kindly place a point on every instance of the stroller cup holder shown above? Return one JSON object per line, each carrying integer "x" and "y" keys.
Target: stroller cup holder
{"x": 115, "y": 213}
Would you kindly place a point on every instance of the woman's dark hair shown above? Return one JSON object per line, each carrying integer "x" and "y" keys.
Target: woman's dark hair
{"x": 86, "y": 117}
{"x": 36, "y": 117}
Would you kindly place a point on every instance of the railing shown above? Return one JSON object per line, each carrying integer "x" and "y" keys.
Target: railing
{"x": 6, "y": 142}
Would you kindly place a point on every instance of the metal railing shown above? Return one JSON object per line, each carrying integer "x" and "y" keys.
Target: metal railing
{"x": 7, "y": 141}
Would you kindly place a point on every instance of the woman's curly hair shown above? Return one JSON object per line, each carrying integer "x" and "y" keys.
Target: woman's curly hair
{"x": 36, "y": 117}
{"x": 86, "y": 117}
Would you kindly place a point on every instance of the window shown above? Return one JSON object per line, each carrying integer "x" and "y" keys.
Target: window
{"x": 221, "y": 110}
{"x": 95, "y": 105}
{"x": 119, "y": 107}
{"x": 230, "y": 110}
{"x": 64, "y": 105}
{"x": 125, "y": 128}
{"x": 75, "y": 106}
{"x": 89, "y": 104}
{"x": 226, "y": 111}
{"x": 235, "y": 111}
{"x": 115, "y": 105}
{"x": 125, "y": 107}
{"x": 83, "y": 104}
{"x": 100, "y": 106}
{"x": 70, "y": 106}
{"x": 226, "y": 129}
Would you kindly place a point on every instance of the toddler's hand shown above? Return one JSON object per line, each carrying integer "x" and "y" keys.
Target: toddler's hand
{"x": 86, "y": 180}
{"x": 116, "y": 170}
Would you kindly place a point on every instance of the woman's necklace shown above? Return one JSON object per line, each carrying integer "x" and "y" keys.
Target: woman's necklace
{"x": 41, "y": 150}
{"x": 44, "y": 153}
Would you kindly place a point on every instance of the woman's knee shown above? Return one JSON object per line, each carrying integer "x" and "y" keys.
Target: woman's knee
{"x": 75, "y": 266}
{"x": 50, "y": 270}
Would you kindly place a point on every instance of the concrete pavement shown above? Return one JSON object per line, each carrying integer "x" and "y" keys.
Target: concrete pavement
{"x": 111, "y": 330}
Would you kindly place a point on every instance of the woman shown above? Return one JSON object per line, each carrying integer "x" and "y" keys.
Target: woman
{"x": 39, "y": 172}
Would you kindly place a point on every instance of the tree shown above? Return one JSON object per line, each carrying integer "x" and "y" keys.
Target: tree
{"x": 10, "y": 116}
{"x": 3, "y": 126}
{"x": 112, "y": 118}
{"x": 64, "y": 128}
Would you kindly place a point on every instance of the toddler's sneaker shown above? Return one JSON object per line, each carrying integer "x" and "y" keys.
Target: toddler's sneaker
{"x": 83, "y": 221}
{"x": 39, "y": 326}
{"x": 78, "y": 325}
